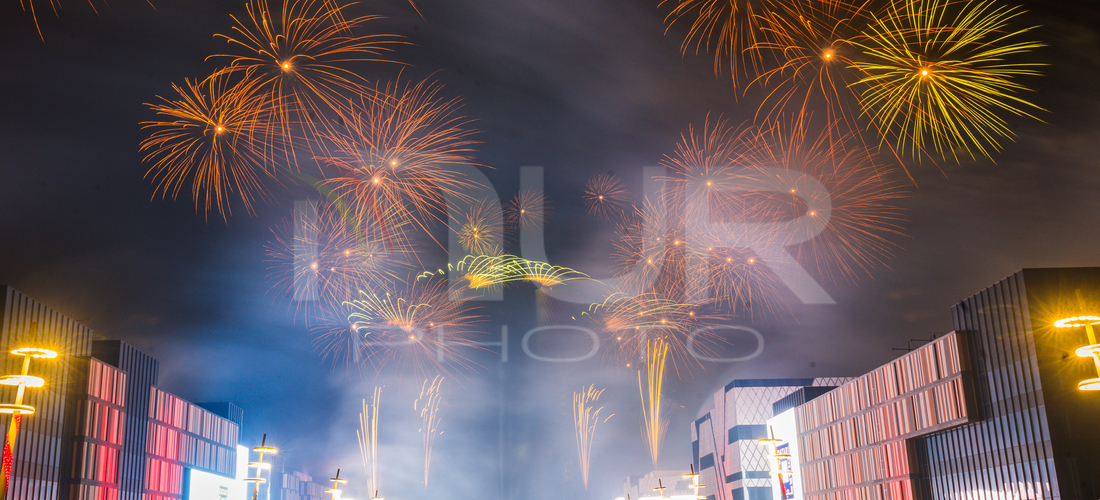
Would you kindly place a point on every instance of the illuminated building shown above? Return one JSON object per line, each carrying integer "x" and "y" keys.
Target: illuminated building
{"x": 296, "y": 486}
{"x": 38, "y": 464}
{"x": 102, "y": 429}
{"x": 731, "y": 463}
{"x": 988, "y": 411}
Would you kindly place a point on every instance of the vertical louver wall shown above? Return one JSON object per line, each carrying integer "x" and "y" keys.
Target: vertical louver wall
{"x": 142, "y": 371}
{"x": 184, "y": 435}
{"x": 37, "y": 468}
{"x": 96, "y": 432}
{"x": 853, "y": 441}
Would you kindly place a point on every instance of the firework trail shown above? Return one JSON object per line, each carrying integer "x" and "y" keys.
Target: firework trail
{"x": 418, "y": 325}
{"x": 605, "y": 196}
{"x": 731, "y": 27}
{"x": 368, "y": 439}
{"x": 299, "y": 55}
{"x": 939, "y": 76}
{"x": 585, "y": 418}
{"x": 212, "y": 138}
{"x": 391, "y": 161}
{"x": 655, "y": 424}
{"x": 428, "y": 404}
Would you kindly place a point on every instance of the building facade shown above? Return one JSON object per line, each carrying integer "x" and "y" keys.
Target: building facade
{"x": 102, "y": 429}
{"x": 725, "y": 445}
{"x": 988, "y": 411}
{"x": 296, "y": 486}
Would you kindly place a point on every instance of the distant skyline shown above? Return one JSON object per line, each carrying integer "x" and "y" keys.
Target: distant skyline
{"x": 577, "y": 87}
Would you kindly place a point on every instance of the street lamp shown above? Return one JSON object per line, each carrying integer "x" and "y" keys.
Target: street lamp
{"x": 1090, "y": 351}
{"x": 260, "y": 466}
{"x": 694, "y": 476}
{"x": 18, "y": 409}
{"x": 335, "y": 490}
{"x": 774, "y": 443}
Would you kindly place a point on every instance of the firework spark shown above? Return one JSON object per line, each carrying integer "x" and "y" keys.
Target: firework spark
{"x": 489, "y": 271}
{"x": 213, "y": 138}
{"x": 299, "y": 55}
{"x": 428, "y": 404}
{"x": 368, "y": 439}
{"x": 585, "y": 418}
{"x": 939, "y": 76}
{"x": 605, "y": 196}
{"x": 655, "y": 423}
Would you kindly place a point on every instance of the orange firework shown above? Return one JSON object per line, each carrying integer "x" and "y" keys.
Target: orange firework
{"x": 812, "y": 40}
{"x": 323, "y": 260}
{"x": 529, "y": 209}
{"x": 647, "y": 250}
{"x": 481, "y": 230}
{"x": 729, "y": 27}
{"x": 336, "y": 338}
{"x": 212, "y": 137}
{"x": 417, "y": 326}
{"x": 863, "y": 198}
{"x": 300, "y": 54}
{"x": 605, "y": 196}
{"x": 393, "y": 161}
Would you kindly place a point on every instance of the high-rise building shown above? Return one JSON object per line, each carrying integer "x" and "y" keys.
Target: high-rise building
{"x": 724, "y": 444}
{"x": 989, "y": 411}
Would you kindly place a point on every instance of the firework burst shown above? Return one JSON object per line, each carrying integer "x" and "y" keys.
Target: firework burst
{"x": 419, "y": 326}
{"x": 481, "y": 229}
{"x": 212, "y": 138}
{"x": 731, "y": 28}
{"x": 939, "y": 76}
{"x": 605, "y": 196}
{"x": 529, "y": 209}
{"x": 392, "y": 162}
{"x": 300, "y": 55}
{"x": 585, "y": 418}
{"x": 428, "y": 405}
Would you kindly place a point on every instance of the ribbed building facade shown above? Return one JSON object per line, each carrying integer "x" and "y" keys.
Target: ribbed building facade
{"x": 990, "y": 411}
{"x": 102, "y": 429}
{"x": 296, "y": 486}
{"x": 39, "y": 470}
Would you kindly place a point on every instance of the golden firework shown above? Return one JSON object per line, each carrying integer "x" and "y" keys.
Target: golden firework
{"x": 481, "y": 228}
{"x": 655, "y": 422}
{"x": 731, "y": 28}
{"x": 301, "y": 53}
{"x": 212, "y": 139}
{"x": 585, "y": 419}
{"x": 428, "y": 403}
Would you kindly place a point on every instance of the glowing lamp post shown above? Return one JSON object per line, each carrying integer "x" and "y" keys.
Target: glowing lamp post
{"x": 695, "y": 485}
{"x": 774, "y": 443}
{"x": 260, "y": 465}
{"x": 1090, "y": 351}
{"x": 18, "y": 409}
{"x": 335, "y": 491}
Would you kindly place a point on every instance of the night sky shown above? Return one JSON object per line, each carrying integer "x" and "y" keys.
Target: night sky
{"x": 577, "y": 87}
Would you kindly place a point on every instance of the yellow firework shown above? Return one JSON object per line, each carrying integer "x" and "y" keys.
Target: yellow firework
{"x": 211, "y": 139}
{"x": 941, "y": 76}
{"x": 655, "y": 423}
{"x": 585, "y": 418}
{"x": 487, "y": 271}
{"x": 428, "y": 404}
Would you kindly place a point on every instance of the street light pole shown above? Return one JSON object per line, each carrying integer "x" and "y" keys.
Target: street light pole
{"x": 259, "y": 466}
{"x": 18, "y": 409}
{"x": 1089, "y": 351}
{"x": 335, "y": 490}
